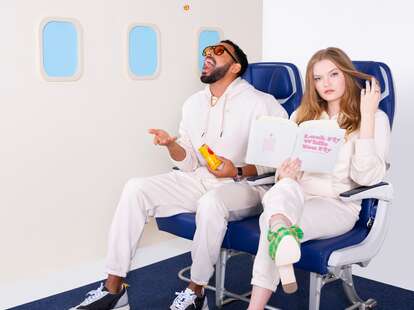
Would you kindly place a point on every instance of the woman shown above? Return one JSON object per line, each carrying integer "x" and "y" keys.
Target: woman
{"x": 302, "y": 206}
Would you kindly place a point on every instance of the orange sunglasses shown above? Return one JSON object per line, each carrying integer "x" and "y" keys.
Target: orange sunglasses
{"x": 218, "y": 50}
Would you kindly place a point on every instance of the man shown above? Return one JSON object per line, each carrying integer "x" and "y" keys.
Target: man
{"x": 219, "y": 116}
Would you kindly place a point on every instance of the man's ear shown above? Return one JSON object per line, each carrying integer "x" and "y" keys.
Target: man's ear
{"x": 235, "y": 68}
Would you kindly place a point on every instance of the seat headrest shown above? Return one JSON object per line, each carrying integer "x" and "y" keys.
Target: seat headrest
{"x": 280, "y": 79}
{"x": 271, "y": 78}
{"x": 383, "y": 74}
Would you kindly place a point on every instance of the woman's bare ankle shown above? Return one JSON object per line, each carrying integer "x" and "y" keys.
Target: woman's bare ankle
{"x": 278, "y": 220}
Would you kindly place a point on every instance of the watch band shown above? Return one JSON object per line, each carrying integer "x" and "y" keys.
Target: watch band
{"x": 239, "y": 171}
{"x": 239, "y": 175}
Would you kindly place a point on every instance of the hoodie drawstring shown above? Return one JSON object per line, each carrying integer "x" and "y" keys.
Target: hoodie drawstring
{"x": 206, "y": 123}
{"x": 223, "y": 111}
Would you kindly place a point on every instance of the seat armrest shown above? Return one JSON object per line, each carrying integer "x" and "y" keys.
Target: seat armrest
{"x": 370, "y": 246}
{"x": 381, "y": 191}
{"x": 363, "y": 252}
{"x": 263, "y": 179}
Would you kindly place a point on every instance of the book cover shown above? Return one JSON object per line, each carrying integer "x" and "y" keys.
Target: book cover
{"x": 316, "y": 143}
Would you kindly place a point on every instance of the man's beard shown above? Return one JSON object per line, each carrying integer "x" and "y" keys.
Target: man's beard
{"x": 217, "y": 74}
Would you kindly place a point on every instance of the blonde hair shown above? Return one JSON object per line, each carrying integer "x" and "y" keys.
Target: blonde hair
{"x": 312, "y": 105}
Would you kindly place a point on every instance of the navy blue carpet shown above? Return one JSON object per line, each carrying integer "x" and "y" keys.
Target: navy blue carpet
{"x": 153, "y": 288}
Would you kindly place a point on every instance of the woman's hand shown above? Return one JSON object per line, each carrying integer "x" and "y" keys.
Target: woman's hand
{"x": 289, "y": 169}
{"x": 227, "y": 169}
{"x": 370, "y": 97}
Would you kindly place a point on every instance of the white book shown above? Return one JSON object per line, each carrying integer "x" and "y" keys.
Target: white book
{"x": 316, "y": 143}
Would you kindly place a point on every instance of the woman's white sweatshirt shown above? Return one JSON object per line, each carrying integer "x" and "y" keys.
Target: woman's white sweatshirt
{"x": 360, "y": 162}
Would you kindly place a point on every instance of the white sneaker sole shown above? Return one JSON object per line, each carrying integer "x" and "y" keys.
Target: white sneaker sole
{"x": 205, "y": 305}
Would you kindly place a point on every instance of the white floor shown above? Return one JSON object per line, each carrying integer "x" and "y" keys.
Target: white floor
{"x": 155, "y": 246}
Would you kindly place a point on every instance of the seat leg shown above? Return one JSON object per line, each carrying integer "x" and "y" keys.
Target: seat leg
{"x": 220, "y": 277}
{"x": 349, "y": 288}
{"x": 315, "y": 288}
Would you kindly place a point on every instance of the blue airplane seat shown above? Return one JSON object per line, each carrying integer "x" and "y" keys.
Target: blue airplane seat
{"x": 328, "y": 259}
{"x": 280, "y": 79}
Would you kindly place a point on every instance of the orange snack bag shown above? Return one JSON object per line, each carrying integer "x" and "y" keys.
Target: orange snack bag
{"x": 212, "y": 161}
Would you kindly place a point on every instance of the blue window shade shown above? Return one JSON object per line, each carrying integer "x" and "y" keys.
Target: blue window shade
{"x": 143, "y": 51}
{"x": 60, "y": 49}
{"x": 207, "y": 37}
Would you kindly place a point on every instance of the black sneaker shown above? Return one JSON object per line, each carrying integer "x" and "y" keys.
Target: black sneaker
{"x": 101, "y": 299}
{"x": 188, "y": 300}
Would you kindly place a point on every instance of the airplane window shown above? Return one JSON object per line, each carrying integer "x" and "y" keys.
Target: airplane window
{"x": 143, "y": 51}
{"x": 60, "y": 50}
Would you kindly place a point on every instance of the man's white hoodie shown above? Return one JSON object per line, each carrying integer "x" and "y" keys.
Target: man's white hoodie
{"x": 224, "y": 127}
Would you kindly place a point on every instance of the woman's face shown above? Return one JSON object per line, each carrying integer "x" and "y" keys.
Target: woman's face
{"x": 329, "y": 80}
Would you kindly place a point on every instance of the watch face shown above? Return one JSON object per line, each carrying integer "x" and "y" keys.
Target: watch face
{"x": 239, "y": 171}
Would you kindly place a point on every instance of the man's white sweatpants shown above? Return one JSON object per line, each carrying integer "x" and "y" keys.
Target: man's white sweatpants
{"x": 318, "y": 217}
{"x": 215, "y": 203}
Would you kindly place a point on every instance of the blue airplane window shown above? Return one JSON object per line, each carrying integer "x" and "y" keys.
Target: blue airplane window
{"x": 143, "y": 51}
{"x": 60, "y": 49}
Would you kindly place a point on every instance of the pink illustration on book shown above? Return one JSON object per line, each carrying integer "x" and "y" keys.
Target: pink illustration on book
{"x": 319, "y": 144}
{"x": 269, "y": 144}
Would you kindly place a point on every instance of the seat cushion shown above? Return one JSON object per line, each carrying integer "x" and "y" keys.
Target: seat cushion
{"x": 244, "y": 236}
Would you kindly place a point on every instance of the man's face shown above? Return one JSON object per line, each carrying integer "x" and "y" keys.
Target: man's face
{"x": 216, "y": 66}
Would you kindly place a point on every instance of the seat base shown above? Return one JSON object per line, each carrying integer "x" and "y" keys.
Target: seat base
{"x": 223, "y": 296}
{"x": 317, "y": 282}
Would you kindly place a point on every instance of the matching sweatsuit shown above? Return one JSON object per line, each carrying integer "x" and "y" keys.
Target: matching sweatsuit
{"x": 225, "y": 128}
{"x": 313, "y": 201}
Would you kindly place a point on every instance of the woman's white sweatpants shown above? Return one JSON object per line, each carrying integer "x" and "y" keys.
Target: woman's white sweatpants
{"x": 178, "y": 192}
{"x": 318, "y": 217}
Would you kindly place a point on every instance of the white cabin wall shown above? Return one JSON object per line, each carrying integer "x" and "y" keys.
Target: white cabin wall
{"x": 67, "y": 148}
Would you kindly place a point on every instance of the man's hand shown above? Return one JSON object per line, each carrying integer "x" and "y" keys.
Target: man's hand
{"x": 227, "y": 170}
{"x": 161, "y": 137}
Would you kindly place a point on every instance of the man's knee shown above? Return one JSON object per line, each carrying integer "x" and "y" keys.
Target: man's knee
{"x": 133, "y": 191}
{"x": 211, "y": 206}
{"x": 134, "y": 186}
